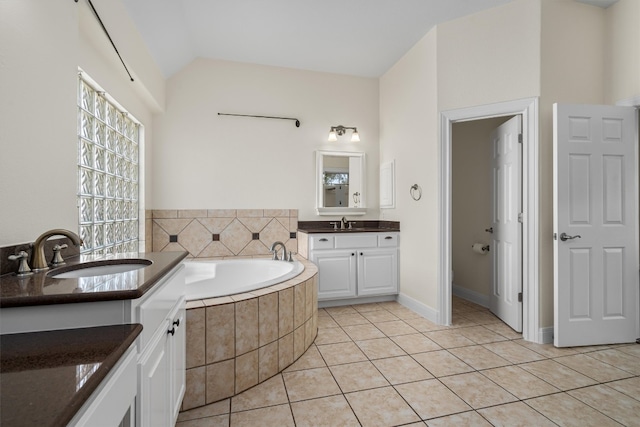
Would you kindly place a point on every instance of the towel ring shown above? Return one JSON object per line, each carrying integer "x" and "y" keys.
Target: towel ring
{"x": 415, "y": 189}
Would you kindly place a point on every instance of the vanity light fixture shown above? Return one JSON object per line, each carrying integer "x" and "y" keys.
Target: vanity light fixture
{"x": 340, "y": 130}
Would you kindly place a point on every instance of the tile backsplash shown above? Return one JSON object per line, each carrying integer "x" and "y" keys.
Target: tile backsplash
{"x": 218, "y": 233}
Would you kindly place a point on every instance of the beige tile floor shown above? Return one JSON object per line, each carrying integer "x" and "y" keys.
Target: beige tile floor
{"x": 384, "y": 365}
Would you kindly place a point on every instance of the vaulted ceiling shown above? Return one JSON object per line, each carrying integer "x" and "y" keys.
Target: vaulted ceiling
{"x": 357, "y": 37}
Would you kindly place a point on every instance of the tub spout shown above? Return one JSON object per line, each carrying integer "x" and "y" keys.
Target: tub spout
{"x": 274, "y": 249}
{"x": 39, "y": 262}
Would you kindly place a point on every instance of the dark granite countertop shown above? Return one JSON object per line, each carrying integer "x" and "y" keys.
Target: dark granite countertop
{"x": 47, "y": 376}
{"x": 362, "y": 226}
{"x": 42, "y": 289}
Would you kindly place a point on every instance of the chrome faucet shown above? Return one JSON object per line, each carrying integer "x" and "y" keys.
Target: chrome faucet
{"x": 344, "y": 223}
{"x": 275, "y": 251}
{"x": 39, "y": 262}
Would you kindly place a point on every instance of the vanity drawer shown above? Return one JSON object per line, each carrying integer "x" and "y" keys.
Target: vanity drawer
{"x": 388, "y": 240}
{"x": 360, "y": 240}
{"x": 322, "y": 241}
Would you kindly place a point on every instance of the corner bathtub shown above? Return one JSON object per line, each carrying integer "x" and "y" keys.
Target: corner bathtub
{"x": 210, "y": 279}
{"x": 247, "y": 320}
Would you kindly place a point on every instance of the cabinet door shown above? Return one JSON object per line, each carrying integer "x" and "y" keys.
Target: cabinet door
{"x": 336, "y": 273}
{"x": 377, "y": 272}
{"x": 110, "y": 404}
{"x": 154, "y": 404}
{"x": 177, "y": 346}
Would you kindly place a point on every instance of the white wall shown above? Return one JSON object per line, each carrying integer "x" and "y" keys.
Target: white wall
{"x": 572, "y": 72}
{"x": 551, "y": 49}
{"x": 205, "y": 161}
{"x": 484, "y": 58}
{"x": 408, "y": 134}
{"x": 43, "y": 44}
{"x": 489, "y": 57}
{"x": 37, "y": 118}
{"x": 622, "y": 51}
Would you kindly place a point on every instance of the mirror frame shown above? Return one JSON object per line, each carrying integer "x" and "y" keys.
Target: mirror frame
{"x": 320, "y": 154}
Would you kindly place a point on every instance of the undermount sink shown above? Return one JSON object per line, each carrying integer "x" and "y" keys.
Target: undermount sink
{"x": 99, "y": 268}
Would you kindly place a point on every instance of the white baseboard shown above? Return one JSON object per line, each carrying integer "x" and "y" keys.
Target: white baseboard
{"x": 420, "y": 308}
{"x": 353, "y": 301}
{"x": 545, "y": 335}
{"x": 470, "y": 295}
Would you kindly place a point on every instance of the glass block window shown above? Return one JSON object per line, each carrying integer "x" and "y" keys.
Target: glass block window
{"x": 108, "y": 139}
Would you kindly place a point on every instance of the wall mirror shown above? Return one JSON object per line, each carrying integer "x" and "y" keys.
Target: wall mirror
{"x": 340, "y": 186}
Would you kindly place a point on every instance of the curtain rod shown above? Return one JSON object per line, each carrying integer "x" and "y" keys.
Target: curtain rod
{"x": 261, "y": 117}
{"x": 95, "y": 12}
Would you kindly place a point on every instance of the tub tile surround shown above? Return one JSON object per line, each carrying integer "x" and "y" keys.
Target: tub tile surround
{"x": 239, "y": 341}
{"x": 339, "y": 382}
{"x": 220, "y": 233}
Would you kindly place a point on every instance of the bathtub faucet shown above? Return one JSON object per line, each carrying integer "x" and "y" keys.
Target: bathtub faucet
{"x": 275, "y": 251}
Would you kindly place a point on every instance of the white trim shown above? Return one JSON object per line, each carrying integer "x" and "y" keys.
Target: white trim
{"x": 355, "y": 301}
{"x": 420, "y": 308}
{"x": 388, "y": 184}
{"x": 469, "y": 295}
{"x": 634, "y": 101}
{"x": 528, "y": 108}
{"x": 545, "y": 335}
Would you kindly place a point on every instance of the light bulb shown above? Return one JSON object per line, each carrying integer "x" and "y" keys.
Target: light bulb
{"x": 355, "y": 137}
{"x": 332, "y": 135}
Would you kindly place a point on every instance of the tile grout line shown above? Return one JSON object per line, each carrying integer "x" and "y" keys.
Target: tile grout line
{"x": 475, "y": 370}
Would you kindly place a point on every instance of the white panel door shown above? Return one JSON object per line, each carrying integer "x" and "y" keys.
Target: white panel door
{"x": 506, "y": 247}
{"x": 595, "y": 225}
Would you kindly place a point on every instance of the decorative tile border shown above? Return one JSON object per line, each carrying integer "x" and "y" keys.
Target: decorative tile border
{"x": 219, "y": 233}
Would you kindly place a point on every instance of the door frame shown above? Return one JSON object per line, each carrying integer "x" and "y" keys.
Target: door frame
{"x": 528, "y": 109}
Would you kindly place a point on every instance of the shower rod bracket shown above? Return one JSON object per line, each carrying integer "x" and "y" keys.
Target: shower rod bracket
{"x": 262, "y": 117}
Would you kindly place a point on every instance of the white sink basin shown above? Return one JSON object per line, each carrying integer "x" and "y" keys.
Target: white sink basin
{"x": 100, "y": 268}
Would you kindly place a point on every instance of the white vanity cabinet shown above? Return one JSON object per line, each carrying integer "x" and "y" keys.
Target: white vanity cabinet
{"x": 354, "y": 265}
{"x": 162, "y": 360}
{"x": 162, "y": 372}
{"x": 110, "y": 404}
{"x": 158, "y": 354}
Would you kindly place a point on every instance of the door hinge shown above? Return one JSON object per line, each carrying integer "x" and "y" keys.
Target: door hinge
{"x": 520, "y": 216}
{"x": 520, "y": 138}
{"x": 519, "y": 296}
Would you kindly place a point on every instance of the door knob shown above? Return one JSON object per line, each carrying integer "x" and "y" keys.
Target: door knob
{"x": 564, "y": 237}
